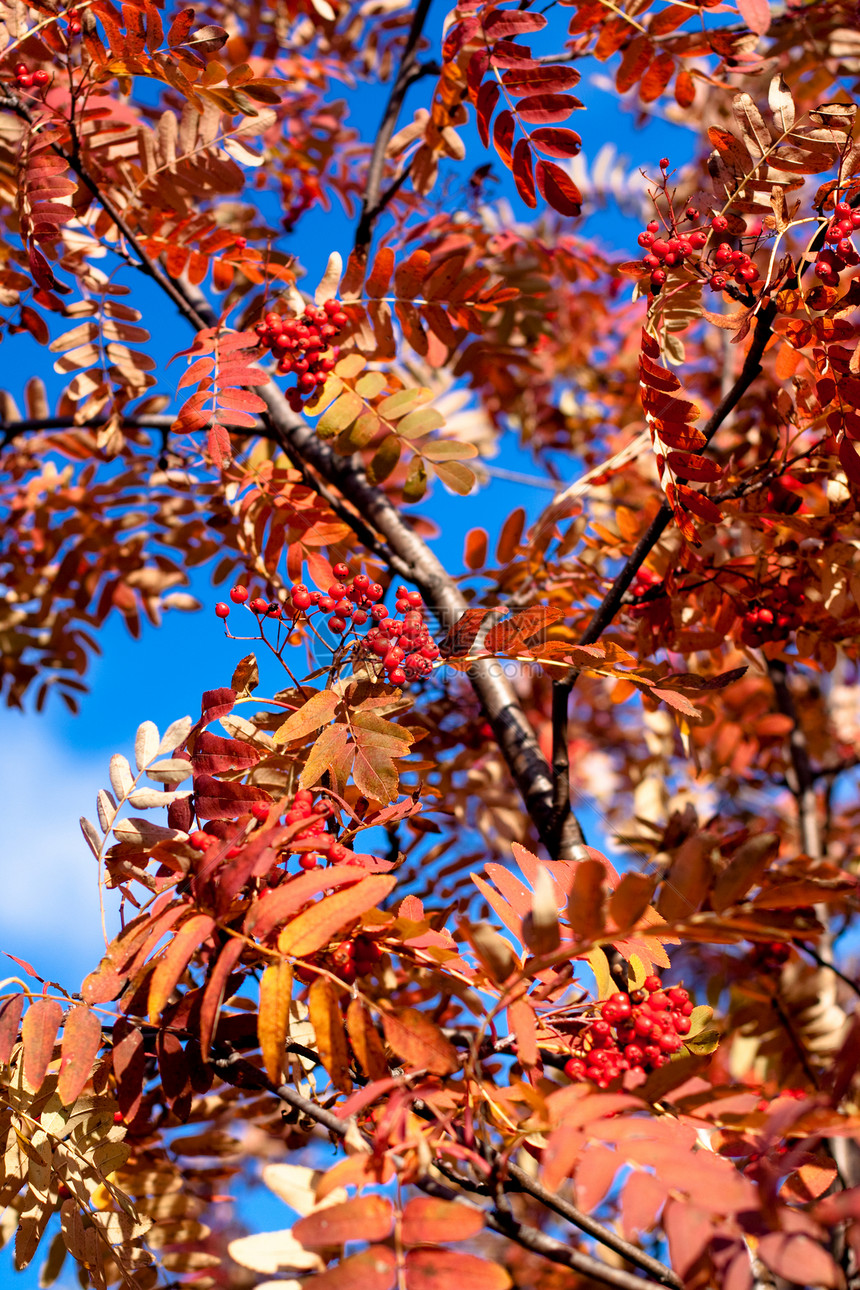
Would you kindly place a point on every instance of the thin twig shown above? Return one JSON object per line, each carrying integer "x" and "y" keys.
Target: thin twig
{"x": 407, "y": 72}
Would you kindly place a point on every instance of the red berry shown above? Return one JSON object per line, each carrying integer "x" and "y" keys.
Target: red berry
{"x": 301, "y": 599}
{"x": 652, "y": 983}
{"x": 25, "y": 80}
{"x": 241, "y": 243}
{"x": 337, "y": 853}
{"x": 341, "y": 571}
{"x": 118, "y": 1117}
{"x": 200, "y": 841}
{"x": 717, "y": 282}
{"x": 697, "y": 241}
{"x": 326, "y": 604}
{"x": 645, "y": 239}
{"x": 653, "y": 226}
{"x": 359, "y": 617}
{"x": 337, "y": 624}
{"x": 375, "y": 591}
{"x": 658, "y": 277}
{"x": 221, "y": 609}
{"x": 691, "y": 212}
{"x": 343, "y": 607}
{"x": 239, "y": 594}
{"x": 664, "y": 163}
{"x": 397, "y": 677}
{"x": 260, "y": 811}
{"x": 41, "y": 77}
{"x": 308, "y": 861}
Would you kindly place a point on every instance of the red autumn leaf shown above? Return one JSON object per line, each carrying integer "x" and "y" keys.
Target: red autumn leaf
{"x": 555, "y": 142}
{"x": 546, "y": 109}
{"x": 11, "y": 1009}
{"x": 82, "y": 1039}
{"x": 551, "y": 79}
{"x": 523, "y": 174}
{"x": 511, "y": 22}
{"x": 756, "y": 14}
{"x": 39, "y": 1033}
{"x": 558, "y": 189}
{"x": 216, "y": 799}
{"x": 488, "y": 97}
{"x": 503, "y": 136}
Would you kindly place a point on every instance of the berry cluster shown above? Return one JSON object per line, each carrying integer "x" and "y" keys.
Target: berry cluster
{"x": 302, "y": 346}
{"x": 770, "y": 956}
{"x": 669, "y": 250}
{"x": 403, "y": 645}
{"x": 732, "y": 263}
{"x": 840, "y": 252}
{"x": 74, "y": 25}
{"x": 356, "y": 958}
{"x": 635, "y": 1032}
{"x": 673, "y": 246}
{"x": 25, "y": 79}
{"x": 312, "y": 842}
{"x": 314, "y": 836}
{"x": 775, "y": 620}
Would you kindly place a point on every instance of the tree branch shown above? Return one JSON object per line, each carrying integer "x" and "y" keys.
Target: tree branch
{"x": 408, "y": 71}
{"x": 242, "y": 1073}
{"x": 801, "y": 780}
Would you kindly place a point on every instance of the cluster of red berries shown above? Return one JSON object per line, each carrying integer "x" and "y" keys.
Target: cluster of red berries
{"x": 74, "y": 25}
{"x": 403, "y": 645}
{"x": 732, "y": 263}
{"x": 309, "y": 841}
{"x": 25, "y": 79}
{"x": 356, "y": 958}
{"x": 840, "y": 252}
{"x": 636, "y": 1032}
{"x": 771, "y": 956}
{"x": 778, "y": 618}
{"x": 302, "y": 346}
{"x": 669, "y": 250}
{"x": 665, "y": 251}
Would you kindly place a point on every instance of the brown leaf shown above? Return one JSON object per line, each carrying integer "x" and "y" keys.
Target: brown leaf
{"x": 420, "y": 1043}
{"x": 428, "y": 1221}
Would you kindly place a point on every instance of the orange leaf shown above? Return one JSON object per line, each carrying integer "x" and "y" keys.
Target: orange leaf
{"x": 416, "y": 1039}
{"x": 365, "y": 1041}
{"x": 429, "y": 1221}
{"x": 273, "y": 1019}
{"x": 316, "y": 926}
{"x": 175, "y": 960}
{"x": 327, "y": 1022}
{"x": 366, "y": 1218}
{"x": 82, "y": 1039}
{"x": 450, "y": 1270}
{"x": 10, "y": 1019}
{"x": 38, "y": 1033}
{"x": 372, "y": 1269}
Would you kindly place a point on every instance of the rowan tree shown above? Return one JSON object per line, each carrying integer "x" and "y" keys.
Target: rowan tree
{"x": 366, "y": 950}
